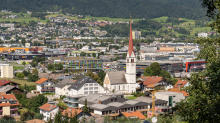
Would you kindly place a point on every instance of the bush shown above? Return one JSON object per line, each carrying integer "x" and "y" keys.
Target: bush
{"x": 20, "y": 75}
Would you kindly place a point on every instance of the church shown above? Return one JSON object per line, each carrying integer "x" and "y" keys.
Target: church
{"x": 120, "y": 81}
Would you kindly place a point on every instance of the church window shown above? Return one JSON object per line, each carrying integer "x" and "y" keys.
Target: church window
{"x": 127, "y": 60}
{"x": 123, "y": 87}
{"x": 132, "y": 60}
{"x": 114, "y": 88}
{"x": 119, "y": 87}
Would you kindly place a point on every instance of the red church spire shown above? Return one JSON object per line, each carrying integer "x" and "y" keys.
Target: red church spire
{"x": 130, "y": 47}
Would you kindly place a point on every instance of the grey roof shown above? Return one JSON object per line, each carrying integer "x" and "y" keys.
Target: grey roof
{"x": 102, "y": 107}
{"x": 79, "y": 83}
{"x": 65, "y": 82}
{"x": 148, "y": 100}
{"x": 117, "y": 77}
{"x": 7, "y": 88}
{"x": 94, "y": 98}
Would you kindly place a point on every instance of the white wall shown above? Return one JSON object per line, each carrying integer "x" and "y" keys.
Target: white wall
{"x": 97, "y": 112}
{"x": 47, "y": 114}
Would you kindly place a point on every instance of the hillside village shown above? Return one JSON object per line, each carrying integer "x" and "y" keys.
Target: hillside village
{"x": 72, "y": 71}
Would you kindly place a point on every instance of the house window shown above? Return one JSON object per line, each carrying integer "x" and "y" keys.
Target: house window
{"x": 85, "y": 92}
{"x": 85, "y": 88}
{"x": 95, "y": 84}
{"x": 114, "y": 88}
{"x": 90, "y": 88}
{"x": 86, "y": 85}
{"x": 95, "y": 92}
{"x": 95, "y": 88}
{"x": 90, "y": 84}
{"x": 90, "y": 92}
{"x": 127, "y": 60}
{"x": 123, "y": 87}
{"x": 119, "y": 87}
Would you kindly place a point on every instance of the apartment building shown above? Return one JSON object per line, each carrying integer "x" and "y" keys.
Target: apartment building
{"x": 78, "y": 63}
{"x": 6, "y": 71}
{"x": 44, "y": 85}
{"x": 8, "y": 105}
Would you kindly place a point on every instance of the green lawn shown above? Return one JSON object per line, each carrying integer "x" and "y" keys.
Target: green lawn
{"x": 131, "y": 97}
{"x": 164, "y": 18}
{"x": 21, "y": 81}
{"x": 17, "y": 67}
{"x": 104, "y": 18}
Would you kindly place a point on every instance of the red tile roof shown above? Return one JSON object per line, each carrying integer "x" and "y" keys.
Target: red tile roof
{"x": 180, "y": 83}
{"x": 47, "y": 107}
{"x": 179, "y": 91}
{"x": 41, "y": 80}
{"x": 134, "y": 114}
{"x": 9, "y": 97}
{"x": 151, "y": 80}
{"x": 130, "y": 47}
{"x": 3, "y": 82}
{"x": 71, "y": 112}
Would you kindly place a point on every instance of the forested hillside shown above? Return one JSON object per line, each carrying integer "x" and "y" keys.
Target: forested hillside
{"x": 112, "y": 8}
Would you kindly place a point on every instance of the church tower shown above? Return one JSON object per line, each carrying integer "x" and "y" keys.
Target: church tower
{"x": 131, "y": 61}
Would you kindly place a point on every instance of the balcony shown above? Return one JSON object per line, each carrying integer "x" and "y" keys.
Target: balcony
{"x": 13, "y": 109}
{"x": 52, "y": 89}
{"x": 111, "y": 114}
{"x": 47, "y": 86}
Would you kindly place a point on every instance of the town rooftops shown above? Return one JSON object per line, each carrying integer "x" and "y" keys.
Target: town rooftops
{"x": 49, "y": 75}
{"x": 72, "y": 58}
{"x": 102, "y": 107}
{"x": 179, "y": 91}
{"x": 48, "y": 107}
{"x": 135, "y": 114}
{"x": 3, "y": 82}
{"x": 41, "y": 80}
{"x": 71, "y": 112}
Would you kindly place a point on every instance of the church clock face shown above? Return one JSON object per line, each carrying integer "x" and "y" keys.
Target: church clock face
{"x": 132, "y": 64}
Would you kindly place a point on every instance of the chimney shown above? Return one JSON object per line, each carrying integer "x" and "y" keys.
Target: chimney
{"x": 100, "y": 102}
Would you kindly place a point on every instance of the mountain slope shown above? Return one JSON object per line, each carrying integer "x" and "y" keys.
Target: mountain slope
{"x": 112, "y": 8}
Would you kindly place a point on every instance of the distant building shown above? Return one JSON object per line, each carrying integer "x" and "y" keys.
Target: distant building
{"x": 136, "y": 34}
{"x": 6, "y": 71}
{"x": 202, "y": 35}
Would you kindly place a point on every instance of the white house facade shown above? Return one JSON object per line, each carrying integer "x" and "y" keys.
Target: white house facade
{"x": 44, "y": 85}
{"x": 48, "y": 110}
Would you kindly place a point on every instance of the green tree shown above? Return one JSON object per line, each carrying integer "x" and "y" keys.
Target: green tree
{"x": 23, "y": 41}
{"x": 2, "y": 58}
{"x": 20, "y": 75}
{"x": 153, "y": 70}
{"x": 57, "y": 118}
{"x": 93, "y": 55}
{"x": 38, "y": 101}
{"x": 35, "y": 72}
{"x": 101, "y": 75}
{"x": 24, "y": 63}
{"x": 50, "y": 67}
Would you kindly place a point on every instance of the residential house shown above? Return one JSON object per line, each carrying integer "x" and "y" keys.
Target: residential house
{"x": 9, "y": 105}
{"x": 48, "y": 110}
{"x": 8, "y": 89}
{"x": 4, "y": 82}
{"x": 85, "y": 85}
{"x": 61, "y": 88}
{"x": 72, "y": 111}
{"x": 81, "y": 88}
{"x": 44, "y": 85}
{"x": 150, "y": 82}
{"x": 181, "y": 84}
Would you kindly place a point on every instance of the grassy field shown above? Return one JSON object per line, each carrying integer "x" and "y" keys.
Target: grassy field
{"x": 17, "y": 67}
{"x": 131, "y": 97}
{"x": 164, "y": 18}
{"x": 104, "y": 18}
{"x": 21, "y": 81}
